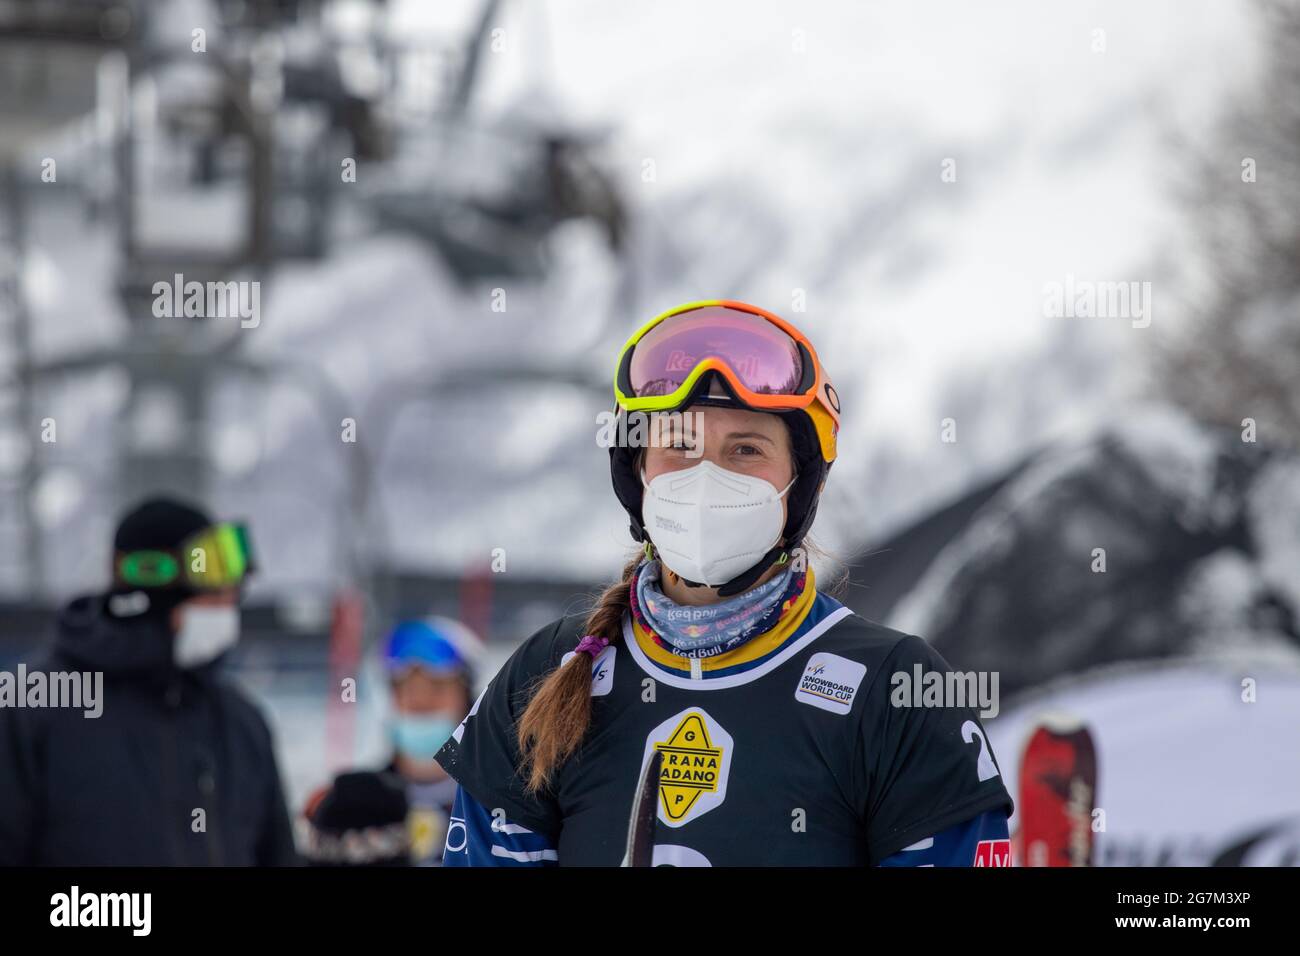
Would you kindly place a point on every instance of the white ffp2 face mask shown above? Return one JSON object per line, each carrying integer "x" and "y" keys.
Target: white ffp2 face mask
{"x": 710, "y": 524}
{"x": 205, "y": 634}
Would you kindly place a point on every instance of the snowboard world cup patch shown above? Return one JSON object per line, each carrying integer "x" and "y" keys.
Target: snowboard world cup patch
{"x": 696, "y": 763}
{"x": 830, "y": 682}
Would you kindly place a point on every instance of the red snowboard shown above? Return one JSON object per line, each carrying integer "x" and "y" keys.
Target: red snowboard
{"x": 1058, "y": 792}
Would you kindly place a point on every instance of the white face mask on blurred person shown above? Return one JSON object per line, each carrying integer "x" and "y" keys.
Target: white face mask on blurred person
{"x": 206, "y": 632}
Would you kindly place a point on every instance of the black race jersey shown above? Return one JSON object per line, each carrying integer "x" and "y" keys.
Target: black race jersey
{"x": 800, "y": 747}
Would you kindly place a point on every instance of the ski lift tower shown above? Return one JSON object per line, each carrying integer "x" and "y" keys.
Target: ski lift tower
{"x": 190, "y": 145}
{"x": 49, "y": 59}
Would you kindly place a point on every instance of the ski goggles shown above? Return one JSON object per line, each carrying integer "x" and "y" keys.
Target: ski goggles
{"x": 416, "y": 644}
{"x": 766, "y": 362}
{"x": 213, "y": 558}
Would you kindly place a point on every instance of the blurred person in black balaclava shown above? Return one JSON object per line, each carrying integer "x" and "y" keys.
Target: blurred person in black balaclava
{"x": 177, "y": 769}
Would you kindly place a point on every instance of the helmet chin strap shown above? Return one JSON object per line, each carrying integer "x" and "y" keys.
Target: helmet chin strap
{"x": 746, "y": 579}
{"x": 741, "y": 582}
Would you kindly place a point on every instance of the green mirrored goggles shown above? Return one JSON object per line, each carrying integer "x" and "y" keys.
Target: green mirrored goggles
{"x": 216, "y": 557}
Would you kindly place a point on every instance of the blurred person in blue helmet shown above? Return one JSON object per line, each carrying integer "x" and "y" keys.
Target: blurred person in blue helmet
{"x": 430, "y": 667}
{"x": 428, "y": 663}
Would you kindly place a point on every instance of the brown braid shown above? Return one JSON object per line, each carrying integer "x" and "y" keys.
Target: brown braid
{"x": 557, "y": 717}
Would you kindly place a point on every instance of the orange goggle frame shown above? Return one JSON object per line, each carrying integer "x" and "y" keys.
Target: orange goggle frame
{"x": 816, "y": 396}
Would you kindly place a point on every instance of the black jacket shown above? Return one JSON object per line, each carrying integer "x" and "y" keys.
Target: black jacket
{"x": 124, "y": 788}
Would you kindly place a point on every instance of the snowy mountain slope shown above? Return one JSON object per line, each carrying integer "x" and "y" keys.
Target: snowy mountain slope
{"x": 1155, "y": 537}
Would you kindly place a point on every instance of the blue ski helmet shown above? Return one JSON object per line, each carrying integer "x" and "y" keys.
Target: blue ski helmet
{"x": 440, "y": 645}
